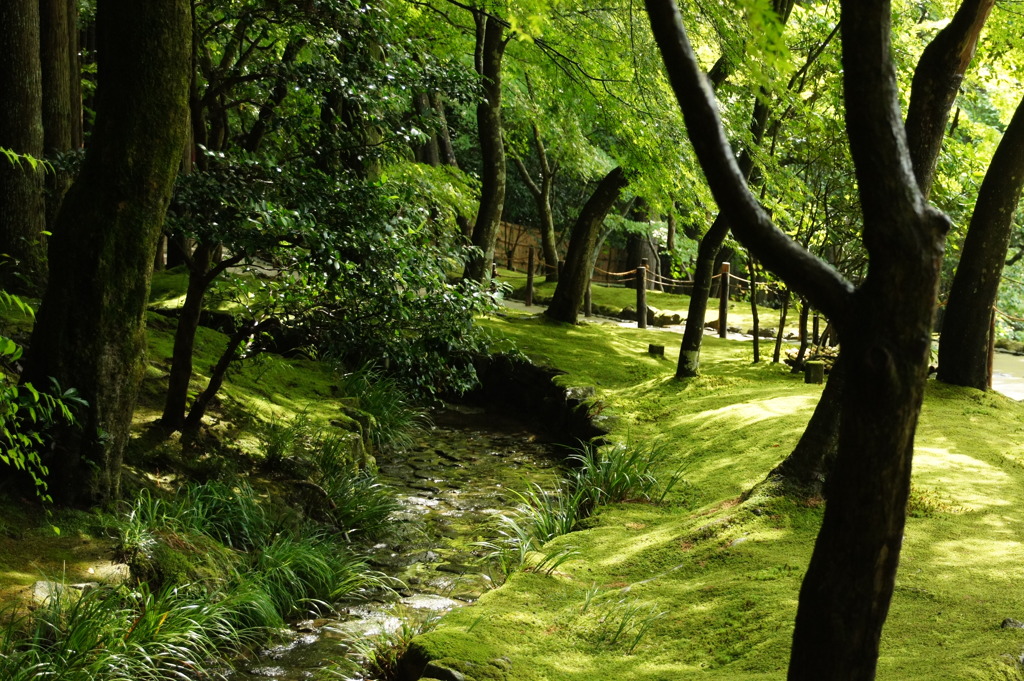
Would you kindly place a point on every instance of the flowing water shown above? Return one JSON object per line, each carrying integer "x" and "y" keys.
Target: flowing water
{"x": 460, "y": 474}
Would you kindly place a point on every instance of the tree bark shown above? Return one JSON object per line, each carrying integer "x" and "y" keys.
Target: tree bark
{"x": 846, "y": 592}
{"x": 21, "y": 130}
{"x": 937, "y": 79}
{"x": 542, "y": 198}
{"x": 936, "y": 82}
{"x": 90, "y": 332}
{"x": 59, "y": 62}
{"x": 491, "y": 47}
{"x": 572, "y": 285}
{"x": 966, "y": 331}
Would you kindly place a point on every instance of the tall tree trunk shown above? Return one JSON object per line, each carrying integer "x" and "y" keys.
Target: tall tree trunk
{"x": 966, "y": 331}
{"x": 490, "y": 47}
{"x": 936, "y": 82}
{"x": 572, "y": 285}
{"x": 937, "y": 79}
{"x": 542, "y": 199}
{"x": 90, "y": 331}
{"x": 59, "y": 70}
{"x": 21, "y": 130}
{"x": 693, "y": 333}
{"x": 885, "y": 325}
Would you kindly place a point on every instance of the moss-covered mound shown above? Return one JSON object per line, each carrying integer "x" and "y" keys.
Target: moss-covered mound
{"x": 705, "y": 584}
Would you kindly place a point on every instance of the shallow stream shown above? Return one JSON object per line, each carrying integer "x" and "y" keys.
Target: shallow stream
{"x": 460, "y": 473}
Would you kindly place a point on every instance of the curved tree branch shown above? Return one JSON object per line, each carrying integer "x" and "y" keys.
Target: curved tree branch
{"x": 807, "y": 274}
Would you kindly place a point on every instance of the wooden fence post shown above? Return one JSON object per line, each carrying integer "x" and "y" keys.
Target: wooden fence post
{"x": 723, "y": 301}
{"x": 641, "y": 294}
{"x": 529, "y": 278}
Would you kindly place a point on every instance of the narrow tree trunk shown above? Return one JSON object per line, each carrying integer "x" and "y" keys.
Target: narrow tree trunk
{"x": 753, "y": 307}
{"x": 58, "y": 73}
{"x": 807, "y": 466}
{"x": 491, "y": 46}
{"x": 780, "y": 334}
{"x": 21, "y": 130}
{"x": 202, "y": 403}
{"x": 693, "y": 333}
{"x": 572, "y": 285}
{"x": 173, "y": 417}
{"x": 966, "y": 332}
{"x": 90, "y": 332}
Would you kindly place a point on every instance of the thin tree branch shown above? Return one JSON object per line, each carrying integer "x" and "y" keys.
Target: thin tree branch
{"x": 805, "y": 273}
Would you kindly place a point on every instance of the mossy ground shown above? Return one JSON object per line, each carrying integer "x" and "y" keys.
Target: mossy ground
{"x": 610, "y": 301}
{"x": 715, "y": 572}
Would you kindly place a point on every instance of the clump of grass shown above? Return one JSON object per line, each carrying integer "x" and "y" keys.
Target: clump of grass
{"x": 380, "y": 653}
{"x": 396, "y": 419}
{"x": 621, "y": 472}
{"x": 627, "y": 621}
{"x": 286, "y": 569}
{"x": 355, "y": 501}
{"x": 115, "y": 633}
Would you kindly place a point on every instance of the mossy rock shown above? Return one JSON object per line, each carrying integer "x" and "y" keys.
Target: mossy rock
{"x": 450, "y": 649}
{"x": 181, "y": 558}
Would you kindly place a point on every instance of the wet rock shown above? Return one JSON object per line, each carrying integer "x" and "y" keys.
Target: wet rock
{"x": 1010, "y": 623}
{"x": 430, "y": 602}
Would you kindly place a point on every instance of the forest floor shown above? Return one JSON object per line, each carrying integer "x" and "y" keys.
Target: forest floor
{"x": 704, "y": 585}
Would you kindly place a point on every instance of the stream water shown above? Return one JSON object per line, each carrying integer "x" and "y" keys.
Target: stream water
{"x": 460, "y": 473}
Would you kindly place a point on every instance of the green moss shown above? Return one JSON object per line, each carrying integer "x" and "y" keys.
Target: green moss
{"x": 723, "y": 558}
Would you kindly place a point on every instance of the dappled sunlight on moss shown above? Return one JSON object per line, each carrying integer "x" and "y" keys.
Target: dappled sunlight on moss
{"x": 967, "y": 481}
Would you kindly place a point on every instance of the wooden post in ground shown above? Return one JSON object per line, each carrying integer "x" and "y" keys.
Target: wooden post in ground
{"x": 641, "y": 294}
{"x": 529, "y": 278}
{"x": 588, "y": 305}
{"x": 814, "y": 372}
{"x": 991, "y": 346}
{"x": 723, "y": 301}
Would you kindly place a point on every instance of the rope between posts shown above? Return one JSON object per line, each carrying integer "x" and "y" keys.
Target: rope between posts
{"x": 1007, "y": 316}
{"x": 614, "y": 274}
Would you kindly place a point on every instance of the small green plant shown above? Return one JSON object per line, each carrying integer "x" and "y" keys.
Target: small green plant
{"x": 26, "y": 413}
{"x": 381, "y": 652}
{"x": 627, "y": 620}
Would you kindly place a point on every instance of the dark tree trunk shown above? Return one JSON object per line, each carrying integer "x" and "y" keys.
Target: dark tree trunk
{"x": 752, "y": 266}
{"x": 90, "y": 332}
{"x": 572, "y": 285}
{"x": 780, "y": 334}
{"x": 195, "y": 415}
{"x": 707, "y": 250}
{"x": 808, "y": 464}
{"x": 490, "y": 46}
{"x": 885, "y": 325}
{"x": 428, "y": 152}
{"x": 801, "y": 355}
{"x": 966, "y": 331}
{"x": 21, "y": 130}
{"x": 202, "y": 272}
{"x": 693, "y": 332}
{"x": 444, "y": 137}
{"x": 936, "y": 83}
{"x": 542, "y": 198}
{"x": 58, "y": 37}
